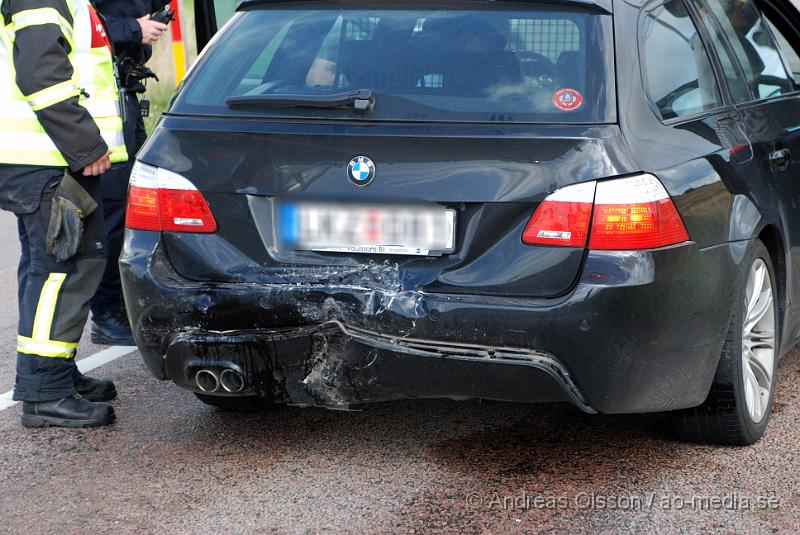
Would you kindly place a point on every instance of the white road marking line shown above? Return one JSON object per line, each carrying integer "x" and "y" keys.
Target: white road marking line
{"x": 103, "y": 357}
{"x": 84, "y": 365}
{"x": 6, "y": 401}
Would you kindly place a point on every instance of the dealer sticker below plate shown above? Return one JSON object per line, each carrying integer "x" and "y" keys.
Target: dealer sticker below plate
{"x": 424, "y": 230}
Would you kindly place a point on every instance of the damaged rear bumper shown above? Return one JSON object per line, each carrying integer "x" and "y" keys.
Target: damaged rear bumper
{"x": 632, "y": 336}
{"x": 331, "y": 365}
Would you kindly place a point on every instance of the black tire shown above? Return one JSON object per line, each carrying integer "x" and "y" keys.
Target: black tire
{"x": 724, "y": 417}
{"x": 236, "y": 403}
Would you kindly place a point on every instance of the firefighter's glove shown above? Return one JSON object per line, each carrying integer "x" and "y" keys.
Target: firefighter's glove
{"x": 71, "y": 205}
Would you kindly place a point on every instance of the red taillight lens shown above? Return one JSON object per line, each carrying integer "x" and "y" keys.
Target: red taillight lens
{"x": 185, "y": 211}
{"x": 142, "y": 210}
{"x": 563, "y": 218}
{"x": 646, "y": 225}
{"x": 161, "y": 200}
{"x": 629, "y": 213}
{"x": 635, "y": 213}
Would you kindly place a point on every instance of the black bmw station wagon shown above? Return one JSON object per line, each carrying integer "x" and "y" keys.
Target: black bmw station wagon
{"x": 591, "y": 201}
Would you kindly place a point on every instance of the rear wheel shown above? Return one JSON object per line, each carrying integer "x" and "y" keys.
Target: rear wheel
{"x": 236, "y": 403}
{"x": 739, "y": 404}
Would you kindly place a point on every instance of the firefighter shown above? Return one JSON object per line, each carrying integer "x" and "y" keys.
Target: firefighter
{"x": 60, "y": 129}
{"x": 132, "y": 33}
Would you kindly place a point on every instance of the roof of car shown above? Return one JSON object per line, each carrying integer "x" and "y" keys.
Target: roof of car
{"x": 602, "y": 5}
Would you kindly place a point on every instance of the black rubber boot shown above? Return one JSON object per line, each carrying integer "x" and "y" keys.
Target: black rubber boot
{"x": 112, "y": 328}
{"x": 93, "y": 389}
{"x": 71, "y": 411}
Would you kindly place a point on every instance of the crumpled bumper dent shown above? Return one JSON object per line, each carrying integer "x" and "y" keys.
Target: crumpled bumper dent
{"x": 331, "y": 365}
{"x": 632, "y": 336}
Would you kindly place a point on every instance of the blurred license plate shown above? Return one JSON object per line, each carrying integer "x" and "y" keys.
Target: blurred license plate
{"x": 353, "y": 228}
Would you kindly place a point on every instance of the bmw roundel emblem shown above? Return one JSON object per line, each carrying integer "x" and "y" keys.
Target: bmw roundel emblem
{"x": 361, "y": 170}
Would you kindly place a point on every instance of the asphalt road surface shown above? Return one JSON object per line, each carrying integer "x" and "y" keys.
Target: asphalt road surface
{"x": 173, "y": 465}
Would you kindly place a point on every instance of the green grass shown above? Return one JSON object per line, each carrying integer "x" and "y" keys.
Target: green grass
{"x": 159, "y": 95}
{"x": 161, "y": 63}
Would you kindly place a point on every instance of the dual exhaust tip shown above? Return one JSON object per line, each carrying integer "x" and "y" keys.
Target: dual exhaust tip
{"x": 228, "y": 380}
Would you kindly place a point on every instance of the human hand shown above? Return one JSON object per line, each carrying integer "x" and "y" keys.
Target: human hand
{"x": 99, "y": 166}
{"x": 151, "y": 30}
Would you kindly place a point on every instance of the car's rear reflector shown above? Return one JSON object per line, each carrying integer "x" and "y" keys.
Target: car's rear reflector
{"x": 563, "y": 218}
{"x": 161, "y": 200}
{"x": 625, "y": 214}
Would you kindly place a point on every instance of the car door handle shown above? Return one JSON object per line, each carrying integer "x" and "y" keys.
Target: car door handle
{"x": 780, "y": 157}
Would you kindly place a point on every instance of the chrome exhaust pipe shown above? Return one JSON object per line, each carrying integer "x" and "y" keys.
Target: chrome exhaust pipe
{"x": 207, "y": 380}
{"x": 231, "y": 381}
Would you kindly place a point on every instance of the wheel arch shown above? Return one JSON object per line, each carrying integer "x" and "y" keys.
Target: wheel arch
{"x": 772, "y": 239}
{"x": 747, "y": 222}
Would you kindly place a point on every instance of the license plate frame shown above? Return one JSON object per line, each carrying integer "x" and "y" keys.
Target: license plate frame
{"x": 336, "y": 223}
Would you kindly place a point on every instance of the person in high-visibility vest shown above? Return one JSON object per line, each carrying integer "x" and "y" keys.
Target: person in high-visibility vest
{"x": 60, "y": 128}
{"x": 132, "y": 34}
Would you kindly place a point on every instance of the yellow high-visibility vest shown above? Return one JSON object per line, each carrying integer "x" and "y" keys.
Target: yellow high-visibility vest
{"x": 23, "y": 140}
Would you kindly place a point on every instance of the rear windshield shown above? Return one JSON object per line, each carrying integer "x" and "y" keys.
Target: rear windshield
{"x": 534, "y": 65}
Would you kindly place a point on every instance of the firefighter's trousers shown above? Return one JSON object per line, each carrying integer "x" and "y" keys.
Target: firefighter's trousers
{"x": 54, "y": 299}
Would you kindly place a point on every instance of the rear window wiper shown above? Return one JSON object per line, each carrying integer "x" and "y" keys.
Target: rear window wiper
{"x": 360, "y": 100}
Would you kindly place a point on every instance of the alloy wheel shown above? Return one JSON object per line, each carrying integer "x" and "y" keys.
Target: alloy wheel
{"x": 758, "y": 341}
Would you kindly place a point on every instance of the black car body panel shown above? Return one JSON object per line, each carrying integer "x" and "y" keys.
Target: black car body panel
{"x": 630, "y": 361}
{"x": 492, "y": 178}
{"x": 610, "y": 331}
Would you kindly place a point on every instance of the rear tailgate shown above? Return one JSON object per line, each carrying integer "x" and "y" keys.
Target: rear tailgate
{"x": 494, "y": 177}
{"x": 453, "y": 106}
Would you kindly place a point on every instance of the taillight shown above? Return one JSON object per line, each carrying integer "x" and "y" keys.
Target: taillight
{"x": 562, "y": 218}
{"x": 161, "y": 200}
{"x": 626, "y": 214}
{"x": 635, "y": 213}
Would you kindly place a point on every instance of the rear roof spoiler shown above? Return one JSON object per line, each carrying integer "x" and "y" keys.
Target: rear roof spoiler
{"x": 604, "y": 6}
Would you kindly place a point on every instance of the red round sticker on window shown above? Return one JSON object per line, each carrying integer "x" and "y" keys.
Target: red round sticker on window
{"x": 567, "y": 99}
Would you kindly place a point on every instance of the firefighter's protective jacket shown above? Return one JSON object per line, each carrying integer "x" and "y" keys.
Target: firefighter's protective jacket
{"x": 59, "y": 103}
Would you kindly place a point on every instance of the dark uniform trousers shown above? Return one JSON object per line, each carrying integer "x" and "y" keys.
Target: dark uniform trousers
{"x": 54, "y": 298}
{"x": 115, "y": 190}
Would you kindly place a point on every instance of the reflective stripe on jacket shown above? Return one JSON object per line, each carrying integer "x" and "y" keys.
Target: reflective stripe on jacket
{"x": 23, "y": 139}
